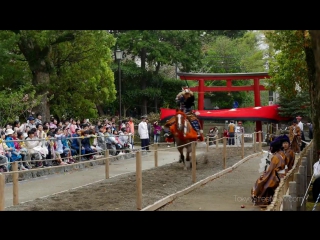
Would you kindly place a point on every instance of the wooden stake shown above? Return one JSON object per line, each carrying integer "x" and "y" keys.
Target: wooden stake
{"x": 107, "y": 169}
{"x": 224, "y": 152}
{"x": 156, "y": 154}
{"x": 2, "y": 186}
{"x": 194, "y": 162}
{"x": 15, "y": 180}
{"x": 139, "y": 180}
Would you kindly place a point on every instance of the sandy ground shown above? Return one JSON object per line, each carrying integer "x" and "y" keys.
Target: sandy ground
{"x": 119, "y": 193}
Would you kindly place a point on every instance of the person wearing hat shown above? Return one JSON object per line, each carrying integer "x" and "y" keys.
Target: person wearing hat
{"x": 265, "y": 186}
{"x": 143, "y": 133}
{"x": 185, "y": 100}
{"x": 295, "y": 136}
{"x": 4, "y": 162}
{"x": 31, "y": 122}
{"x": 12, "y": 153}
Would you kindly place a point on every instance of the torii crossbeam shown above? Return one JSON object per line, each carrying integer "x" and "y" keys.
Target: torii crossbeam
{"x": 228, "y": 77}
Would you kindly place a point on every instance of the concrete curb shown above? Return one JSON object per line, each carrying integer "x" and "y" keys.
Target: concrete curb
{"x": 162, "y": 202}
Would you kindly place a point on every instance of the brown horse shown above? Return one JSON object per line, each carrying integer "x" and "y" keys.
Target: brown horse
{"x": 184, "y": 135}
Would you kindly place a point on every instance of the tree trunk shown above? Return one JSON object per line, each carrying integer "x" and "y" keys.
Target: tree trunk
{"x": 144, "y": 82}
{"x": 315, "y": 91}
{"x": 100, "y": 110}
{"x": 43, "y": 79}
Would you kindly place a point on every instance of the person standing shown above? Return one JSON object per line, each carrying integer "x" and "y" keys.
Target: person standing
{"x": 149, "y": 129}
{"x": 131, "y": 125}
{"x": 231, "y": 130}
{"x": 143, "y": 133}
{"x": 288, "y": 152}
{"x": 156, "y": 132}
{"x": 239, "y": 131}
{"x": 295, "y": 136}
{"x": 300, "y": 124}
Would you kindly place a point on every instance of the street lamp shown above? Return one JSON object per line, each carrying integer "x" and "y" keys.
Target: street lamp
{"x": 119, "y": 55}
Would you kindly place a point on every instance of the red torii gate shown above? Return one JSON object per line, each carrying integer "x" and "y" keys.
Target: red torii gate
{"x": 229, "y": 77}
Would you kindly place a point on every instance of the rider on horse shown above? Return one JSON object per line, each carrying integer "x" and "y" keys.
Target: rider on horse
{"x": 185, "y": 100}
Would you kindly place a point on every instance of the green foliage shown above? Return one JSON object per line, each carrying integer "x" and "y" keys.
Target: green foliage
{"x": 17, "y": 103}
{"x": 288, "y": 67}
{"x": 77, "y": 61}
{"x": 162, "y": 47}
{"x": 226, "y": 55}
{"x": 294, "y": 106}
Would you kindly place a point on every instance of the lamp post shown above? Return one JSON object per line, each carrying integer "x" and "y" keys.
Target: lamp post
{"x": 119, "y": 55}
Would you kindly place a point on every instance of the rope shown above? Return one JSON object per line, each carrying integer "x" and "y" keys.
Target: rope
{"x": 307, "y": 190}
{"x": 315, "y": 204}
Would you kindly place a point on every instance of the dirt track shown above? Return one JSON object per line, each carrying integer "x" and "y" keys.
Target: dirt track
{"x": 119, "y": 193}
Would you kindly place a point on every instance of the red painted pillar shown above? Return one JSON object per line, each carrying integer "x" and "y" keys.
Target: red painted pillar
{"x": 257, "y": 103}
{"x": 201, "y": 98}
{"x": 201, "y": 94}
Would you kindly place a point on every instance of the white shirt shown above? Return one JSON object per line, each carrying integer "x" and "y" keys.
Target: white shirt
{"x": 300, "y": 124}
{"x": 143, "y": 130}
{"x": 239, "y": 129}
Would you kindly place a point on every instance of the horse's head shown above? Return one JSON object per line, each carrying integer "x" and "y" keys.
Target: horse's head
{"x": 180, "y": 120}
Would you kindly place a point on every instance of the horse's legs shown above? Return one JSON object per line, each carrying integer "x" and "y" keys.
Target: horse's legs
{"x": 184, "y": 161}
{"x": 189, "y": 150}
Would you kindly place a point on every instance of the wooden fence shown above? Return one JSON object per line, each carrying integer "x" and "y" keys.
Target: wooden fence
{"x": 138, "y": 153}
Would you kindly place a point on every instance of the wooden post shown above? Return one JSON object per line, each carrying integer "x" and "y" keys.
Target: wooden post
{"x": 194, "y": 162}
{"x": 309, "y": 165}
{"x": 305, "y": 175}
{"x": 139, "y": 179}
{"x": 207, "y": 143}
{"x": 2, "y": 185}
{"x": 260, "y": 140}
{"x": 106, "y": 155}
{"x": 297, "y": 179}
{"x": 156, "y": 154}
{"x": 224, "y": 153}
{"x": 293, "y": 194}
{"x": 217, "y": 144}
{"x": 254, "y": 142}
{"x": 15, "y": 180}
{"x": 302, "y": 188}
{"x": 287, "y": 203}
{"x": 242, "y": 146}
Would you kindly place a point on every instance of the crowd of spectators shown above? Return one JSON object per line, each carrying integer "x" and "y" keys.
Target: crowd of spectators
{"x": 37, "y": 144}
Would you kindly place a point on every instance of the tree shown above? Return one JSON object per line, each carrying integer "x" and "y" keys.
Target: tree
{"x": 293, "y": 70}
{"x": 315, "y": 88}
{"x": 60, "y": 54}
{"x": 156, "y": 48}
{"x": 16, "y": 103}
{"x": 226, "y": 55}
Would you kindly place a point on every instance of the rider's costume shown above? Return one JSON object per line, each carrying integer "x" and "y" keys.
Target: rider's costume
{"x": 185, "y": 101}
